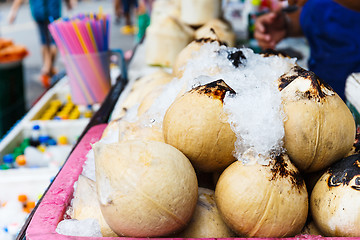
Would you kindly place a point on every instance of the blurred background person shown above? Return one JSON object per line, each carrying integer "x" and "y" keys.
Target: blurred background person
{"x": 331, "y": 29}
{"x": 42, "y": 11}
{"x": 129, "y": 7}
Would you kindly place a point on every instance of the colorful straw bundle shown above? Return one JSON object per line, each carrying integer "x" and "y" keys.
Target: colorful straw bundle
{"x": 83, "y": 42}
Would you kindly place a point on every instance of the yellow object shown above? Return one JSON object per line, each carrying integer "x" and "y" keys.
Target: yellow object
{"x": 75, "y": 114}
{"x": 129, "y": 30}
{"x": 20, "y": 160}
{"x": 55, "y": 103}
{"x": 88, "y": 114}
{"x": 256, "y": 2}
{"x": 41, "y": 148}
{"x": 62, "y": 140}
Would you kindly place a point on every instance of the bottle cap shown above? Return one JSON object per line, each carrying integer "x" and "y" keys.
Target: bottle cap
{"x": 8, "y": 158}
{"x": 36, "y": 127}
{"x": 41, "y": 148}
{"x": 22, "y": 198}
{"x": 21, "y": 160}
{"x": 26, "y": 142}
{"x": 62, "y": 140}
{"x": 4, "y": 167}
{"x": 43, "y": 139}
{"x": 18, "y": 151}
{"x": 30, "y": 204}
{"x": 51, "y": 142}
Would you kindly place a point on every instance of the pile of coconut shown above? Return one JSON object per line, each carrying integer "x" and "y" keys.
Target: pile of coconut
{"x": 221, "y": 148}
{"x": 175, "y": 23}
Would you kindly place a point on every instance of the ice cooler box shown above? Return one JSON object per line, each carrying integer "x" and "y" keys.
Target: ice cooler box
{"x": 54, "y": 204}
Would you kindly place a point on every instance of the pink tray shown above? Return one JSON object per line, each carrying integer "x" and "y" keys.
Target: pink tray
{"x": 53, "y": 205}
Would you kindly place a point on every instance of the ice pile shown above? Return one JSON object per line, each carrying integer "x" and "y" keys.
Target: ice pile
{"x": 255, "y": 113}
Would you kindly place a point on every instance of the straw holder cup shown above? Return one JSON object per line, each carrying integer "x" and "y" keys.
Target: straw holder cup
{"x": 89, "y": 76}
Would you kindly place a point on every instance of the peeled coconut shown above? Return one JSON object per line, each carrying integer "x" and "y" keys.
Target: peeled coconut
{"x": 335, "y": 199}
{"x": 113, "y": 126}
{"x": 142, "y": 87}
{"x": 262, "y": 200}
{"x": 139, "y": 131}
{"x": 188, "y": 53}
{"x": 164, "y": 40}
{"x": 222, "y": 29}
{"x": 206, "y": 221}
{"x": 199, "y": 12}
{"x": 319, "y": 128}
{"x": 164, "y": 8}
{"x": 149, "y": 99}
{"x": 196, "y": 124}
{"x": 145, "y": 188}
{"x": 85, "y": 205}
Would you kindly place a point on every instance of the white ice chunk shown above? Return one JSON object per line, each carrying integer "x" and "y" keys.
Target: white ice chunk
{"x": 82, "y": 228}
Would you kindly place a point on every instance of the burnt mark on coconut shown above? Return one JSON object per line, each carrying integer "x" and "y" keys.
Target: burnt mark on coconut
{"x": 280, "y": 170}
{"x": 211, "y": 39}
{"x": 271, "y": 52}
{"x": 356, "y": 146}
{"x": 342, "y": 172}
{"x": 237, "y": 58}
{"x": 215, "y": 90}
{"x": 315, "y": 92}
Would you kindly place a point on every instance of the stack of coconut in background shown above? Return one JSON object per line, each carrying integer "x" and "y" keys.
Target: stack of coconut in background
{"x": 175, "y": 23}
{"x": 221, "y": 146}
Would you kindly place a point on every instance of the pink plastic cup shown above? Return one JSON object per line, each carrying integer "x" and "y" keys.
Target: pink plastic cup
{"x": 89, "y": 76}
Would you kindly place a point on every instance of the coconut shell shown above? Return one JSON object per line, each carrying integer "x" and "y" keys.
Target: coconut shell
{"x": 139, "y": 131}
{"x": 164, "y": 41}
{"x": 199, "y": 12}
{"x": 142, "y": 87}
{"x": 258, "y": 200}
{"x": 319, "y": 128}
{"x": 335, "y": 199}
{"x": 222, "y": 29}
{"x": 188, "y": 52}
{"x": 145, "y": 188}
{"x": 164, "y": 8}
{"x": 206, "y": 221}
{"x": 197, "y": 125}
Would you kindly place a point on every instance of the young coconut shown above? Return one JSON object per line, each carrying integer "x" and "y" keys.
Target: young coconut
{"x": 223, "y": 31}
{"x": 206, "y": 221}
{"x": 142, "y": 87}
{"x": 262, "y": 200}
{"x": 85, "y": 205}
{"x": 163, "y": 8}
{"x": 164, "y": 40}
{"x": 145, "y": 188}
{"x": 196, "y": 124}
{"x": 187, "y": 53}
{"x": 199, "y": 12}
{"x": 335, "y": 199}
{"x": 319, "y": 128}
{"x": 139, "y": 131}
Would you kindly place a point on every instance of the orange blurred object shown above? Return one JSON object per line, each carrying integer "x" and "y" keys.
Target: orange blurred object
{"x": 20, "y": 160}
{"x": 22, "y": 198}
{"x": 10, "y": 52}
{"x": 30, "y": 204}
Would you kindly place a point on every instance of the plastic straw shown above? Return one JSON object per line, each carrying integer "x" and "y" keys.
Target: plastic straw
{"x": 84, "y": 34}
